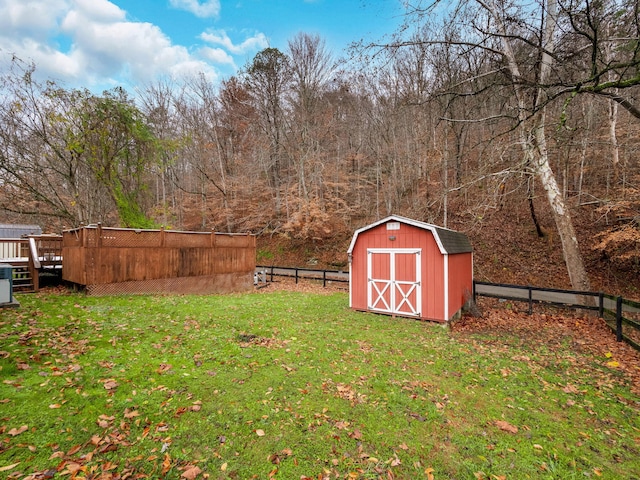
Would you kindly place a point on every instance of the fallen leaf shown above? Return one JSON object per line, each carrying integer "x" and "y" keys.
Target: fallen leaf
{"x": 429, "y": 473}
{"x": 163, "y": 368}
{"x": 506, "y": 426}
{"x": 74, "y": 450}
{"x": 55, "y": 405}
{"x": 538, "y": 447}
{"x": 260, "y": 433}
{"x": 131, "y": 413}
{"x": 17, "y": 431}
{"x": 166, "y": 464}
{"x": 72, "y": 468}
{"x": 570, "y": 389}
{"x": 9, "y": 467}
{"x": 110, "y": 384}
{"x": 223, "y": 467}
{"x": 111, "y": 447}
{"x": 191, "y": 473}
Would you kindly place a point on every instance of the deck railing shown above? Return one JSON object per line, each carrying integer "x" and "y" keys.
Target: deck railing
{"x": 30, "y": 257}
{"x": 13, "y": 248}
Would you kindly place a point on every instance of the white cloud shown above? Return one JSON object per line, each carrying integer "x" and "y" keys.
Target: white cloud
{"x": 217, "y": 55}
{"x": 206, "y": 9}
{"x": 99, "y": 10}
{"x": 220, "y": 37}
{"x": 91, "y": 42}
{"x": 20, "y": 19}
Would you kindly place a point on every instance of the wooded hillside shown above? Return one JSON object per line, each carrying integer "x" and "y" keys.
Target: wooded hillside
{"x": 517, "y": 124}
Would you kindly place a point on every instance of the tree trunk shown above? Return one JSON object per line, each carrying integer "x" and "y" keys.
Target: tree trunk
{"x": 535, "y": 148}
{"x": 570, "y": 249}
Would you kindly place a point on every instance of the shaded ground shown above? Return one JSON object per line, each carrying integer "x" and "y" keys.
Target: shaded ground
{"x": 588, "y": 335}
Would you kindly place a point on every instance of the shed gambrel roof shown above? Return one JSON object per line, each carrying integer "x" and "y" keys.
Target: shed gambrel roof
{"x": 449, "y": 241}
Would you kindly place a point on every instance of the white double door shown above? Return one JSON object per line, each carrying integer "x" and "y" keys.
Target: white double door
{"x": 394, "y": 279}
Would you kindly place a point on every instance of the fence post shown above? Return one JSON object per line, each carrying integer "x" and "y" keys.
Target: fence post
{"x": 473, "y": 294}
{"x": 271, "y": 273}
{"x": 324, "y": 278}
{"x": 296, "y": 275}
{"x": 530, "y": 300}
{"x": 601, "y": 304}
{"x": 619, "y": 319}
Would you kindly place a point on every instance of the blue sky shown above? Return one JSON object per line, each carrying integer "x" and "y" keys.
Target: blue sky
{"x": 101, "y": 44}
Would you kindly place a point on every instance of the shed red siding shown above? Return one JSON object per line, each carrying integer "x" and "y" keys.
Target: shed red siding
{"x": 460, "y": 280}
{"x": 444, "y": 278}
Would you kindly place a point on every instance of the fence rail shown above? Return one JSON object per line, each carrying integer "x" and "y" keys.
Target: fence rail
{"x": 615, "y": 310}
{"x": 620, "y": 314}
{"x": 263, "y": 273}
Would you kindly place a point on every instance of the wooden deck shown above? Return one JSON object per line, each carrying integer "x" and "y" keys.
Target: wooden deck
{"x": 32, "y": 258}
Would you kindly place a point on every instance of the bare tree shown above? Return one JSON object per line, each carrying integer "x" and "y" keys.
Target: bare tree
{"x": 309, "y": 124}
{"x": 267, "y": 79}
{"x": 71, "y": 155}
{"x": 522, "y": 45}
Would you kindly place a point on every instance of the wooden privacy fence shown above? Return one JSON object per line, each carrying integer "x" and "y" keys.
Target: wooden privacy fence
{"x": 123, "y": 261}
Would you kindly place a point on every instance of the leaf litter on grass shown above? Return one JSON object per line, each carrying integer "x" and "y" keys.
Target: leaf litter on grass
{"x": 306, "y": 390}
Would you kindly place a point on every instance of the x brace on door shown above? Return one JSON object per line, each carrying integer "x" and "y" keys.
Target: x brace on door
{"x": 394, "y": 279}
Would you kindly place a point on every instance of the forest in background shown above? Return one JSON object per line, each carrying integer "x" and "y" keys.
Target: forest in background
{"x": 514, "y": 122}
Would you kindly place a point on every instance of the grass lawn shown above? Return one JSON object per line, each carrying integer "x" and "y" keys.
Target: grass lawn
{"x": 294, "y": 385}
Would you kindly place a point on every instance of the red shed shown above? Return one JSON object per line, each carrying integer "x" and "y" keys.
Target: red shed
{"x": 408, "y": 268}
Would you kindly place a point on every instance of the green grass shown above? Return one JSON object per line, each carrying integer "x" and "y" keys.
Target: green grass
{"x": 292, "y": 386}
